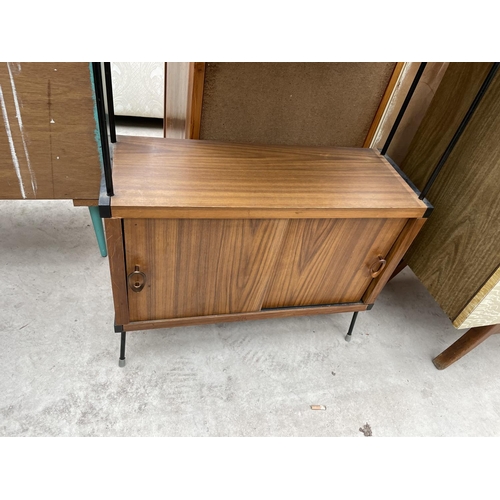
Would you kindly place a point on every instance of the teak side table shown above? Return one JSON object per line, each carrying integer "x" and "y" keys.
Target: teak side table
{"x": 203, "y": 232}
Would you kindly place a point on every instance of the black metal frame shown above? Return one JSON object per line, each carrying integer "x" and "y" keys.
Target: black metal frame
{"x": 414, "y": 188}
{"x": 103, "y": 127}
{"x": 460, "y": 130}
{"x": 351, "y": 327}
{"x": 402, "y": 111}
{"x": 453, "y": 142}
{"x": 109, "y": 101}
{"x": 123, "y": 340}
{"x": 392, "y": 133}
{"x": 104, "y": 88}
{"x": 101, "y": 88}
{"x": 104, "y": 202}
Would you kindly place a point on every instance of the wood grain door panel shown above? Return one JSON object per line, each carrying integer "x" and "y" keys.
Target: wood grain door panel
{"x": 327, "y": 261}
{"x": 200, "y": 267}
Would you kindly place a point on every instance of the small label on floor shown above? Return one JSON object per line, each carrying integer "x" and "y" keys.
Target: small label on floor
{"x": 318, "y": 407}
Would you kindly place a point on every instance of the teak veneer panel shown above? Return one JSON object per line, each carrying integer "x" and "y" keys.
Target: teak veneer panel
{"x": 168, "y": 178}
{"x": 53, "y": 137}
{"x": 458, "y": 249}
{"x": 327, "y": 261}
{"x": 200, "y": 267}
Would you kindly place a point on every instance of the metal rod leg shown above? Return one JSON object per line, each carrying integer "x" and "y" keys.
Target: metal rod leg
{"x": 351, "y": 327}
{"x": 121, "y": 361}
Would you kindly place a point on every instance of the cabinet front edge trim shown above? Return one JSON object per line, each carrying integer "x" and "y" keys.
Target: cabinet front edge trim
{"x": 266, "y": 213}
{"x": 264, "y": 314}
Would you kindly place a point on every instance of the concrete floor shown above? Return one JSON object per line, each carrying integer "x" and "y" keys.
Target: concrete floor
{"x": 59, "y": 372}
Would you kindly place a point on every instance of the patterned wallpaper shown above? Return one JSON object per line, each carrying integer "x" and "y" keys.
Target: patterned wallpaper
{"x": 138, "y": 88}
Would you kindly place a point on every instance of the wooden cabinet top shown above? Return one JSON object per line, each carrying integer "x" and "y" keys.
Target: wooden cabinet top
{"x": 170, "y": 178}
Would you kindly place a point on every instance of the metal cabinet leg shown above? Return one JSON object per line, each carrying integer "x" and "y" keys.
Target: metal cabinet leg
{"x": 351, "y": 327}
{"x": 121, "y": 361}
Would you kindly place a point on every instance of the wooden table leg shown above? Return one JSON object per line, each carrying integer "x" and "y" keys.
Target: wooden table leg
{"x": 471, "y": 339}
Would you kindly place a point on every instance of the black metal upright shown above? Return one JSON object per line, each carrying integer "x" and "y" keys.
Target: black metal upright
{"x": 351, "y": 327}
{"x": 394, "y": 130}
{"x": 103, "y": 128}
{"x": 109, "y": 101}
{"x": 383, "y": 152}
{"x": 460, "y": 130}
{"x": 107, "y": 178}
{"x": 403, "y": 108}
{"x": 121, "y": 361}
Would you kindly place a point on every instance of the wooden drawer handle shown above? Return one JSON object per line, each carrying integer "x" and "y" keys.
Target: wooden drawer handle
{"x": 381, "y": 264}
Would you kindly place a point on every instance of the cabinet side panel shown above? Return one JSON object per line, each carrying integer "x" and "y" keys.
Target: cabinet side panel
{"x": 328, "y": 261}
{"x": 201, "y": 267}
{"x": 116, "y": 256}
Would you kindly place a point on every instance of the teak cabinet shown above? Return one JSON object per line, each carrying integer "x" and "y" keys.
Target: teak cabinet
{"x": 206, "y": 232}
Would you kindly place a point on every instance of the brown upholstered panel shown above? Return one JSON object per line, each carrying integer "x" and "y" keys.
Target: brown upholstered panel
{"x": 317, "y": 104}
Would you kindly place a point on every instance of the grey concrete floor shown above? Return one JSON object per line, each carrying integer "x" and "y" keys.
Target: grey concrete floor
{"x": 59, "y": 374}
